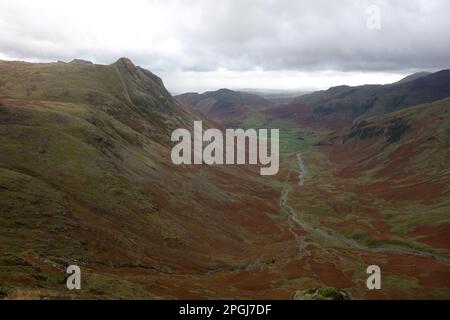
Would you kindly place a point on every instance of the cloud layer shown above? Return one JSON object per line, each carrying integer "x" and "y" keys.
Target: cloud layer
{"x": 241, "y": 36}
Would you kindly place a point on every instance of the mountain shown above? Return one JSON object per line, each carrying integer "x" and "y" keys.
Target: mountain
{"x": 277, "y": 96}
{"x": 129, "y": 93}
{"x": 86, "y": 178}
{"x": 224, "y": 104}
{"x": 339, "y": 106}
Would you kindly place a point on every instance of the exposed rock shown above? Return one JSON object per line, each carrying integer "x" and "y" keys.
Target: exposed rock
{"x": 322, "y": 293}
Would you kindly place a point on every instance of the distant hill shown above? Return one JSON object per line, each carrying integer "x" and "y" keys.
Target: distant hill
{"x": 224, "y": 104}
{"x": 413, "y": 77}
{"x": 277, "y": 96}
{"x": 339, "y": 105}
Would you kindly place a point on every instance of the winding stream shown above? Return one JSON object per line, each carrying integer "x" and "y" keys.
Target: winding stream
{"x": 295, "y": 219}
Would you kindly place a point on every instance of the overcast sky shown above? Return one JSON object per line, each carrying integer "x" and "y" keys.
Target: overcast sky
{"x": 209, "y": 44}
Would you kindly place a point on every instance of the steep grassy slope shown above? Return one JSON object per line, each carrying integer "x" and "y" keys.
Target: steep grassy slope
{"x": 131, "y": 94}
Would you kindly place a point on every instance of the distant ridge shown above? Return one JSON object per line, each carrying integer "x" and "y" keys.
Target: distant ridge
{"x": 413, "y": 77}
{"x": 341, "y": 105}
{"x": 224, "y": 104}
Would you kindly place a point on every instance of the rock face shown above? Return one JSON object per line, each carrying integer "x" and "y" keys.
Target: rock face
{"x": 322, "y": 293}
{"x": 145, "y": 90}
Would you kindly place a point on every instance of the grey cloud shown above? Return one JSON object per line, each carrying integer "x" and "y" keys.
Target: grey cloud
{"x": 236, "y": 35}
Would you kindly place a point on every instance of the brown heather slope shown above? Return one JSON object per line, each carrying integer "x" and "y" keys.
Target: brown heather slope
{"x": 385, "y": 183}
{"x": 402, "y": 160}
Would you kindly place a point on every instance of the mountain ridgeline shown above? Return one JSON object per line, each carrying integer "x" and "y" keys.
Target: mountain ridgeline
{"x": 339, "y": 106}
{"x": 225, "y": 105}
{"x": 127, "y": 92}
